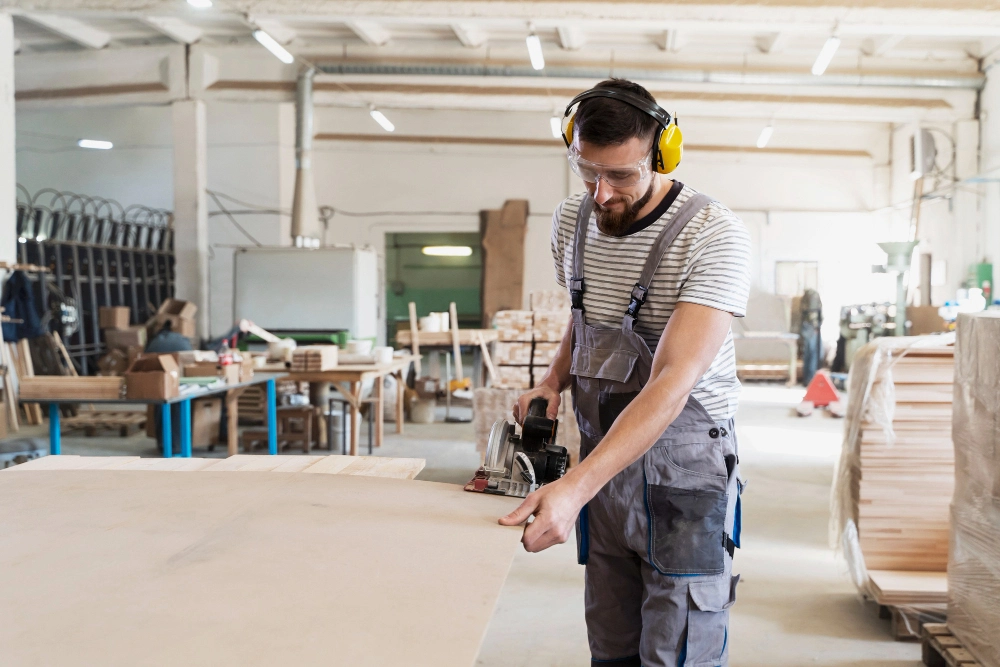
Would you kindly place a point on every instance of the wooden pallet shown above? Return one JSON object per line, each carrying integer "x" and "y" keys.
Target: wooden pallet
{"x": 905, "y": 623}
{"x": 942, "y": 649}
{"x": 126, "y": 422}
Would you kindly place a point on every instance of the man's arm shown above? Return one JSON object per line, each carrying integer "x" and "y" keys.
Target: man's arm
{"x": 688, "y": 346}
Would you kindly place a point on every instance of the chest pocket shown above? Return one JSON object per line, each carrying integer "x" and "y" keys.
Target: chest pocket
{"x": 606, "y": 382}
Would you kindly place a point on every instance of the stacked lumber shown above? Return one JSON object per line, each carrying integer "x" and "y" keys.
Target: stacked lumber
{"x": 512, "y": 354}
{"x": 973, "y": 570}
{"x": 557, "y": 299}
{"x": 515, "y": 353}
{"x": 313, "y": 358}
{"x": 513, "y": 325}
{"x": 896, "y": 472}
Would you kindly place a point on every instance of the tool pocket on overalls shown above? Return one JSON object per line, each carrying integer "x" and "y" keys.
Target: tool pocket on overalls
{"x": 603, "y": 374}
{"x": 708, "y": 620}
{"x": 686, "y": 503}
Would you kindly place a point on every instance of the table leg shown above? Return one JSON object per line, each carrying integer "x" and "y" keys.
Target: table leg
{"x": 379, "y": 417}
{"x": 55, "y": 433}
{"x": 355, "y": 417}
{"x": 186, "y": 428}
{"x": 232, "y": 422}
{"x": 793, "y": 363}
{"x": 165, "y": 433}
{"x": 400, "y": 397}
{"x": 272, "y": 419}
{"x": 477, "y": 363}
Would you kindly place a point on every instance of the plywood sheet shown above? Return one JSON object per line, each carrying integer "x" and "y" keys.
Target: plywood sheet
{"x": 118, "y": 567}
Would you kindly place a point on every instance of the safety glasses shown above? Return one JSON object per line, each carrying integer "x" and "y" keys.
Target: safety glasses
{"x": 617, "y": 176}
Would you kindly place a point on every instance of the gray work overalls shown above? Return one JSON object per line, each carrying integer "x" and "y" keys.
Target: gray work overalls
{"x": 658, "y": 539}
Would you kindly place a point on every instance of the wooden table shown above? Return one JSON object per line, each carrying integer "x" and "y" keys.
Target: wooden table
{"x": 441, "y": 340}
{"x": 231, "y": 394}
{"x": 348, "y": 379}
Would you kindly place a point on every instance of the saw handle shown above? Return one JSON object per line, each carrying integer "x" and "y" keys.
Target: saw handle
{"x": 537, "y": 407}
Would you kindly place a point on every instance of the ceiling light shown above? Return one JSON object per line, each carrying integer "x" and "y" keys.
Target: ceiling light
{"x": 535, "y": 51}
{"x": 556, "y": 124}
{"x": 200, "y": 4}
{"x": 272, "y": 45}
{"x": 826, "y": 55}
{"x": 95, "y": 143}
{"x": 382, "y": 120}
{"x": 765, "y": 136}
{"x": 447, "y": 250}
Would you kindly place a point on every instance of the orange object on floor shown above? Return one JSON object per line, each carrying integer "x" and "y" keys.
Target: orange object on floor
{"x": 821, "y": 391}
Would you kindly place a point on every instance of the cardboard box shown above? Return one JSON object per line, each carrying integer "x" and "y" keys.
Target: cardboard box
{"x": 246, "y": 368}
{"x": 178, "y": 308}
{"x": 153, "y": 376}
{"x": 229, "y": 373}
{"x": 206, "y": 413}
{"x": 113, "y": 317}
{"x": 179, "y": 313}
{"x": 123, "y": 339}
{"x": 115, "y": 362}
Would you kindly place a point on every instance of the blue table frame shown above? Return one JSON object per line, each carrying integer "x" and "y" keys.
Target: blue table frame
{"x": 184, "y": 405}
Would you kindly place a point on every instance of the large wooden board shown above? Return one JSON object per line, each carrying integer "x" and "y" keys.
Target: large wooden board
{"x": 112, "y": 567}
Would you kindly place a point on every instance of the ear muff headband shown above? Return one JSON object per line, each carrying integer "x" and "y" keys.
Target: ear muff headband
{"x": 669, "y": 142}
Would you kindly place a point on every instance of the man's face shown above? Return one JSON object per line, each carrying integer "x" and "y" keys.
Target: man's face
{"x": 617, "y": 207}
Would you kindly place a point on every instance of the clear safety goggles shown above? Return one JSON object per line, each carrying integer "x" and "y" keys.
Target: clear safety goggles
{"x": 617, "y": 176}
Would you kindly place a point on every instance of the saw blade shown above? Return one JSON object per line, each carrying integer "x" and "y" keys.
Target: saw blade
{"x": 496, "y": 456}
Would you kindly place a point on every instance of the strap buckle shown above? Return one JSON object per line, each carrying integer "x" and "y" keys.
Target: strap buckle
{"x": 638, "y": 299}
{"x": 576, "y": 290}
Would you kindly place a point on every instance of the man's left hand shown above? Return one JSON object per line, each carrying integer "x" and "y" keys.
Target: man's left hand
{"x": 555, "y": 507}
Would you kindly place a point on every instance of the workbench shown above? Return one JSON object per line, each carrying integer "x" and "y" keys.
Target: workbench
{"x": 347, "y": 379}
{"x": 174, "y": 562}
{"x": 231, "y": 393}
{"x": 442, "y": 341}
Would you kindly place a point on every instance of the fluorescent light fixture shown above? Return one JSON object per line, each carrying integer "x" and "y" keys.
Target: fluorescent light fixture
{"x": 272, "y": 45}
{"x": 21, "y": 239}
{"x": 556, "y": 123}
{"x": 382, "y": 120}
{"x": 447, "y": 250}
{"x": 825, "y": 55}
{"x": 200, "y": 4}
{"x": 765, "y": 136}
{"x": 535, "y": 51}
{"x": 95, "y": 143}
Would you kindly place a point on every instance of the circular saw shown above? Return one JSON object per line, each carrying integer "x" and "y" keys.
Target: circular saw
{"x": 516, "y": 464}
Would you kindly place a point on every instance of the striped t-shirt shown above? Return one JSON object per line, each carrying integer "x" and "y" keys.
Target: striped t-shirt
{"x": 707, "y": 264}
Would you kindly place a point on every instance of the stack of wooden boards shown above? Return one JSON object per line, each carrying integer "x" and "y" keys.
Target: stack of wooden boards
{"x": 528, "y": 339}
{"x": 896, "y": 472}
{"x": 314, "y": 358}
{"x": 974, "y": 564}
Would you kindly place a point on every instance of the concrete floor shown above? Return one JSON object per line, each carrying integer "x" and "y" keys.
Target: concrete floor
{"x": 795, "y": 603}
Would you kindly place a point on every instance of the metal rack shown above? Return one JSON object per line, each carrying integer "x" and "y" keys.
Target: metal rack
{"x": 98, "y": 254}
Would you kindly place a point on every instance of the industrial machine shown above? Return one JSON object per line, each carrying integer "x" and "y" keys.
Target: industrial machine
{"x": 859, "y": 324}
{"x": 517, "y": 465}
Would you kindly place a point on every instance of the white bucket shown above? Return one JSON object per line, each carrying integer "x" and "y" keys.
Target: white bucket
{"x": 422, "y": 410}
{"x": 383, "y": 355}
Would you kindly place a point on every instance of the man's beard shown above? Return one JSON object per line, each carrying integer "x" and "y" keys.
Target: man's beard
{"x": 615, "y": 223}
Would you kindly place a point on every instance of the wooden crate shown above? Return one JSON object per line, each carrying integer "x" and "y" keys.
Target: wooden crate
{"x": 514, "y": 325}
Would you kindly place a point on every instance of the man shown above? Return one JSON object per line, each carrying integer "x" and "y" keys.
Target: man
{"x": 656, "y": 495}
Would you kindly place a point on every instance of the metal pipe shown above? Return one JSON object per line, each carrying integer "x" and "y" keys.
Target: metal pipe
{"x": 971, "y": 82}
{"x": 305, "y": 219}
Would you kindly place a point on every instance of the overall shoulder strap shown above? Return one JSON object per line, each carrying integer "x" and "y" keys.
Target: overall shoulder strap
{"x": 576, "y": 284}
{"x": 684, "y": 214}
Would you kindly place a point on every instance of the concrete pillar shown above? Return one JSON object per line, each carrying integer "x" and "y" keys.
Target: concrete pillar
{"x": 8, "y": 171}
{"x": 191, "y": 208}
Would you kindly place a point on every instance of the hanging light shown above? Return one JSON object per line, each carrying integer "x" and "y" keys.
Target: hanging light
{"x": 200, "y": 4}
{"x": 535, "y": 51}
{"x": 765, "y": 136}
{"x": 556, "y": 124}
{"x": 447, "y": 250}
{"x": 95, "y": 143}
{"x": 271, "y": 44}
{"x": 826, "y": 55}
{"x": 382, "y": 120}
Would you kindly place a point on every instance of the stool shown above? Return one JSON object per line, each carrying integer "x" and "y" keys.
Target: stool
{"x": 370, "y": 402}
{"x": 288, "y": 419}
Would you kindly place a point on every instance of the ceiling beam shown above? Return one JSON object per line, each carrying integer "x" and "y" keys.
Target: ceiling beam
{"x": 175, "y": 29}
{"x": 282, "y": 33}
{"x": 772, "y": 43}
{"x": 469, "y": 35}
{"x": 370, "y": 32}
{"x": 571, "y": 37}
{"x": 879, "y": 46}
{"x": 672, "y": 41}
{"x": 71, "y": 29}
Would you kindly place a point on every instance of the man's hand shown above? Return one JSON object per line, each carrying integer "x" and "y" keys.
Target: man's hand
{"x": 520, "y": 408}
{"x": 555, "y": 507}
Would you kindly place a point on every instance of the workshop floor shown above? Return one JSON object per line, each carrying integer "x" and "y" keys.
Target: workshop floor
{"x": 796, "y": 605}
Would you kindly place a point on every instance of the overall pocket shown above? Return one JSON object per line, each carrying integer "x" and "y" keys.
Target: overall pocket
{"x": 708, "y": 620}
{"x": 686, "y": 507}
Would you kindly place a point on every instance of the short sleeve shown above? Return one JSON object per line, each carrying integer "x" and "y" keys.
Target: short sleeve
{"x": 558, "y": 247}
{"x": 719, "y": 269}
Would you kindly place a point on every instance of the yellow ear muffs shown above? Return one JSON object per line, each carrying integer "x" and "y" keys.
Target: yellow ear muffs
{"x": 670, "y": 148}
{"x": 568, "y": 130}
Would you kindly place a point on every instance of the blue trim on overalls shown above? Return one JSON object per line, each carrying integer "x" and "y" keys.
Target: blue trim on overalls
{"x": 584, "y": 551}
{"x": 737, "y": 521}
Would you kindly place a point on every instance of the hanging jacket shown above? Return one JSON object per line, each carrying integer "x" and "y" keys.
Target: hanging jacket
{"x": 19, "y": 304}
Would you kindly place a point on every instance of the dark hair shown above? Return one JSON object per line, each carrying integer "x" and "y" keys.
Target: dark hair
{"x": 607, "y": 122}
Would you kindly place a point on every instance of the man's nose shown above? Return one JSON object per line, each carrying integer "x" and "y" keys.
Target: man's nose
{"x": 602, "y": 192}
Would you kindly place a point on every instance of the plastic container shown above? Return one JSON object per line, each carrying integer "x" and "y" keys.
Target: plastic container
{"x": 422, "y": 410}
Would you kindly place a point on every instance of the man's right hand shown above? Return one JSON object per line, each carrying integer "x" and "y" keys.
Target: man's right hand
{"x": 520, "y": 408}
